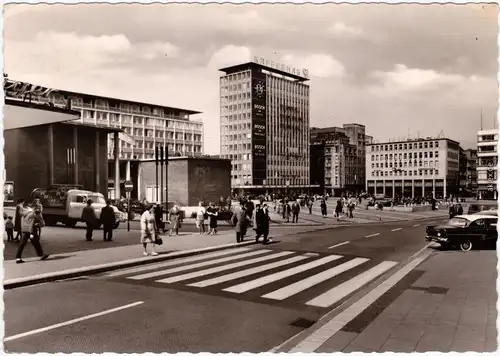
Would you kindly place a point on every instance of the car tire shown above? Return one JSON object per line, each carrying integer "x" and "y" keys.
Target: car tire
{"x": 466, "y": 246}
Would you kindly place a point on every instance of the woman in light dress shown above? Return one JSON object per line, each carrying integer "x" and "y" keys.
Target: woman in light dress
{"x": 148, "y": 232}
{"x": 200, "y": 218}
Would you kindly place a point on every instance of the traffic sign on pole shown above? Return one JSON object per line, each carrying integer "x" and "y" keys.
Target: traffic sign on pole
{"x": 128, "y": 185}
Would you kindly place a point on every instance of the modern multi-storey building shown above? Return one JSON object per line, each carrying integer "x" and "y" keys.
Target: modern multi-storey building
{"x": 344, "y": 155}
{"x": 487, "y": 164}
{"x": 471, "y": 171}
{"x": 145, "y": 125}
{"x": 414, "y": 168}
{"x": 265, "y": 127}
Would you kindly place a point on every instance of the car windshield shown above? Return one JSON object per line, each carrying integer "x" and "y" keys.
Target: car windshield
{"x": 97, "y": 199}
{"x": 461, "y": 222}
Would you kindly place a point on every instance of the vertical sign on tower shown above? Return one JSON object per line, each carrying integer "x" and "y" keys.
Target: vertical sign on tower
{"x": 259, "y": 137}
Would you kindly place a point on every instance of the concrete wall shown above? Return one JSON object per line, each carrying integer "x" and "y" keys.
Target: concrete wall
{"x": 27, "y": 161}
{"x": 190, "y": 180}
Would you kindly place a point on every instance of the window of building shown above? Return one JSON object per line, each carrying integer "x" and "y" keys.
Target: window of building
{"x": 406, "y": 146}
{"x": 409, "y": 173}
{"x": 436, "y": 154}
{"x": 436, "y": 144}
{"x": 425, "y": 144}
{"x": 420, "y": 145}
{"x": 430, "y": 154}
{"x": 425, "y": 154}
{"x": 430, "y": 144}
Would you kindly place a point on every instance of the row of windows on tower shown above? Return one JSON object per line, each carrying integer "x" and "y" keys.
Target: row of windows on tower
{"x": 405, "y": 146}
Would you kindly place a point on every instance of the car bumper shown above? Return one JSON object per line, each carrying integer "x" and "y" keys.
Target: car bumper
{"x": 439, "y": 239}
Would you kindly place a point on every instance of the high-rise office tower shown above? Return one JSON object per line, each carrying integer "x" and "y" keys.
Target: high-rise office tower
{"x": 264, "y": 110}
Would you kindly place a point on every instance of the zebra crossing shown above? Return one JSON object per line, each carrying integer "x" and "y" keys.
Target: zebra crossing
{"x": 263, "y": 275}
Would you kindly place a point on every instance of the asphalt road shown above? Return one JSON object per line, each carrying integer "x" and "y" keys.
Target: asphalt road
{"x": 61, "y": 239}
{"x": 241, "y": 300}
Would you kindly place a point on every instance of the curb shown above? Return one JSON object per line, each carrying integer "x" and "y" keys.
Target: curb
{"x": 106, "y": 267}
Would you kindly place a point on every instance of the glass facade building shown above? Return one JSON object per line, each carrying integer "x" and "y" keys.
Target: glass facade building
{"x": 265, "y": 127}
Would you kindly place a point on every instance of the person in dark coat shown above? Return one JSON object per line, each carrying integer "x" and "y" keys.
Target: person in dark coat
{"x": 460, "y": 210}
{"x": 158, "y": 214}
{"x": 323, "y": 208}
{"x": 90, "y": 219}
{"x": 295, "y": 212}
{"x": 108, "y": 221}
{"x": 17, "y": 219}
{"x": 239, "y": 220}
{"x": 452, "y": 211}
{"x": 338, "y": 209}
{"x": 310, "y": 206}
{"x": 259, "y": 217}
{"x": 264, "y": 225}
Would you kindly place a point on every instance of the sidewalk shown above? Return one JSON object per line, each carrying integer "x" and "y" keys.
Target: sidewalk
{"x": 451, "y": 307}
{"x": 81, "y": 263}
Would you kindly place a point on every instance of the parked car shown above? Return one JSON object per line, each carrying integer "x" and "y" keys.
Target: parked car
{"x": 477, "y": 208}
{"x": 492, "y": 212}
{"x": 464, "y": 231}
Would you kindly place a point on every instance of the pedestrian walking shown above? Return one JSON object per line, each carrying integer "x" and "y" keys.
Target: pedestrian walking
{"x": 17, "y": 219}
{"x": 108, "y": 221}
{"x": 350, "y": 207}
{"x": 264, "y": 227}
{"x": 213, "y": 215}
{"x": 90, "y": 219}
{"x": 452, "y": 211}
{"x": 258, "y": 218}
{"x": 310, "y": 206}
{"x": 148, "y": 230}
{"x": 460, "y": 209}
{"x": 9, "y": 228}
{"x": 288, "y": 211}
{"x": 38, "y": 209}
{"x": 158, "y": 213}
{"x": 338, "y": 209}
{"x": 29, "y": 231}
{"x": 201, "y": 213}
{"x": 174, "y": 220}
{"x": 295, "y": 212}
{"x": 239, "y": 221}
{"x": 323, "y": 208}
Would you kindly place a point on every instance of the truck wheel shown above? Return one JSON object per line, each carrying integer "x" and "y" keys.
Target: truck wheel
{"x": 70, "y": 224}
{"x": 466, "y": 246}
{"x": 116, "y": 225}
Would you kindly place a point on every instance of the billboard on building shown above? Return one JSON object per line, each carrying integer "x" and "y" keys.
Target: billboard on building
{"x": 259, "y": 134}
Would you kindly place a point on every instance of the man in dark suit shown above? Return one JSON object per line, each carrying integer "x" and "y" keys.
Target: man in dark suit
{"x": 108, "y": 221}
{"x": 90, "y": 219}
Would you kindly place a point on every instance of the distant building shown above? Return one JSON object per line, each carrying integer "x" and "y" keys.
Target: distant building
{"x": 144, "y": 125}
{"x": 487, "y": 164}
{"x": 471, "y": 171}
{"x": 343, "y": 153}
{"x": 413, "y": 168}
{"x": 265, "y": 127}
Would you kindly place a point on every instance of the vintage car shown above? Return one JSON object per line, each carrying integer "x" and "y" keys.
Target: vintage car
{"x": 464, "y": 231}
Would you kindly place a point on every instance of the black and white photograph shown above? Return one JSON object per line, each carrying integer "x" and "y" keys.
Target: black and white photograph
{"x": 259, "y": 178}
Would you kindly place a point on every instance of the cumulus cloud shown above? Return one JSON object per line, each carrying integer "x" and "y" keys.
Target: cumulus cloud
{"x": 229, "y": 55}
{"x": 403, "y": 79}
{"x": 319, "y": 65}
{"x": 152, "y": 50}
{"x": 340, "y": 28}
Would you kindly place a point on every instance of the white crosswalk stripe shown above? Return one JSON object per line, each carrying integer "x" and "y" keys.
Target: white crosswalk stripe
{"x": 176, "y": 262}
{"x": 247, "y": 272}
{"x": 337, "y": 293}
{"x": 309, "y": 279}
{"x": 197, "y": 265}
{"x": 309, "y": 282}
{"x": 213, "y": 270}
{"x": 244, "y": 287}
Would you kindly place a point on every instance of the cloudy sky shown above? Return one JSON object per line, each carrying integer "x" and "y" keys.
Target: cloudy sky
{"x": 397, "y": 69}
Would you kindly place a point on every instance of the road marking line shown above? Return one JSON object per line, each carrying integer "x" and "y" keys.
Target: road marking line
{"x": 343, "y": 290}
{"x": 320, "y": 336}
{"x": 311, "y": 281}
{"x": 245, "y": 273}
{"x": 372, "y": 235}
{"x": 259, "y": 282}
{"x": 337, "y": 245}
{"x": 176, "y": 262}
{"x": 196, "y": 265}
{"x": 205, "y": 272}
{"x": 69, "y": 322}
{"x": 416, "y": 225}
{"x": 399, "y": 228}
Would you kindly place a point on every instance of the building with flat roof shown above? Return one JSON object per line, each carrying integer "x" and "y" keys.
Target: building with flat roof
{"x": 413, "y": 168}
{"x": 487, "y": 164}
{"x": 45, "y": 145}
{"x": 344, "y": 158}
{"x": 144, "y": 125}
{"x": 264, "y": 111}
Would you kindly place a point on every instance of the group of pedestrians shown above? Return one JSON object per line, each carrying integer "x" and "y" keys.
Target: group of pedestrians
{"x": 28, "y": 224}
{"x": 107, "y": 219}
{"x": 241, "y": 218}
{"x": 211, "y": 213}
